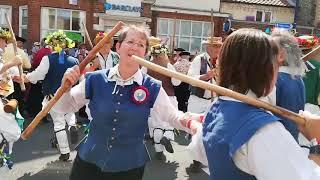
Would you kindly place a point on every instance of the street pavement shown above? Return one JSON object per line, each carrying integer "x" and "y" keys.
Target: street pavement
{"x": 35, "y": 159}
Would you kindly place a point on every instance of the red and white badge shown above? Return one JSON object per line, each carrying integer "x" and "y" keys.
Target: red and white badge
{"x": 140, "y": 94}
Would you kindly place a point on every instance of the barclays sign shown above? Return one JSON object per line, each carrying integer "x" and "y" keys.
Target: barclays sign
{"x": 118, "y": 7}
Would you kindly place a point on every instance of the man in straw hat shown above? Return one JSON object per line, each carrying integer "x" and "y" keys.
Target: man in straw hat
{"x": 202, "y": 68}
{"x": 161, "y": 131}
{"x": 51, "y": 70}
{"x": 7, "y": 56}
{"x": 11, "y": 122}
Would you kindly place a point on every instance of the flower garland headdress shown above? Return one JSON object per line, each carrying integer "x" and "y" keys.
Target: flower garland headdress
{"x": 4, "y": 34}
{"x": 100, "y": 36}
{"x": 58, "y": 40}
{"x": 307, "y": 42}
{"x": 156, "y": 47}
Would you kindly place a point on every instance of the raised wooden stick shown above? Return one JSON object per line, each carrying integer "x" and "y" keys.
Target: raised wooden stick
{"x": 222, "y": 91}
{"x": 311, "y": 54}
{"x": 87, "y": 34}
{"x": 174, "y": 32}
{"x": 15, "y": 49}
{"x": 212, "y": 33}
{"x": 27, "y": 132}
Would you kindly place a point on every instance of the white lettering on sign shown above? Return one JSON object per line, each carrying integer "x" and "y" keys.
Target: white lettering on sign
{"x": 123, "y": 7}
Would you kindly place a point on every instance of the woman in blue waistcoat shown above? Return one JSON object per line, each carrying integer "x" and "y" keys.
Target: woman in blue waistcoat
{"x": 243, "y": 142}
{"x": 290, "y": 91}
{"x": 120, "y": 101}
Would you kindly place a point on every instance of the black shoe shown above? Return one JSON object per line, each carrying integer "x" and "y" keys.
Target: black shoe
{"x": 167, "y": 144}
{"x": 160, "y": 156}
{"x": 195, "y": 167}
{"x": 64, "y": 157}
{"x": 74, "y": 137}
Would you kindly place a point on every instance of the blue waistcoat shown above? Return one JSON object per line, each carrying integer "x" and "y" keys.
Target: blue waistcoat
{"x": 115, "y": 140}
{"x": 290, "y": 95}
{"x": 53, "y": 78}
{"x": 229, "y": 125}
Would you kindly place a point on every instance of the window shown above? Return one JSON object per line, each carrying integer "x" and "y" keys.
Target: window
{"x": 4, "y": 10}
{"x": 267, "y": 17}
{"x": 263, "y": 16}
{"x": 259, "y": 16}
{"x": 188, "y": 36}
{"x": 65, "y": 19}
{"x": 23, "y": 22}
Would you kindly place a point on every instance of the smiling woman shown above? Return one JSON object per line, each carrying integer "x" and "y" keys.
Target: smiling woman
{"x": 120, "y": 101}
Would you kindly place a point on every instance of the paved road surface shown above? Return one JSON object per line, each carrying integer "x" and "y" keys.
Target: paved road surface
{"x": 36, "y": 160}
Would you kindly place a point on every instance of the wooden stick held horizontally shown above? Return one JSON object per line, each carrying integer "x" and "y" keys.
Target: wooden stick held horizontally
{"x": 222, "y": 91}
{"x": 15, "y": 49}
{"x": 27, "y": 132}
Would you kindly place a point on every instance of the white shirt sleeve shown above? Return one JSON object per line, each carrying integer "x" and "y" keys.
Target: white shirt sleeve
{"x": 272, "y": 154}
{"x": 195, "y": 66}
{"x": 175, "y": 82}
{"x": 165, "y": 111}
{"x": 72, "y": 100}
{"x": 40, "y": 72}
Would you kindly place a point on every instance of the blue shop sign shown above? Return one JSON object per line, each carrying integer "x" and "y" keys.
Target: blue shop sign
{"x": 285, "y": 25}
{"x": 117, "y": 7}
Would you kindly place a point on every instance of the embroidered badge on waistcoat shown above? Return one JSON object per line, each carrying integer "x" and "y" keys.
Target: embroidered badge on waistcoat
{"x": 140, "y": 94}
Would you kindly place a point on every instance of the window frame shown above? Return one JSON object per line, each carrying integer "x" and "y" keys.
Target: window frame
{"x": 178, "y": 35}
{"x": 9, "y": 15}
{"x": 263, "y": 18}
{"x": 48, "y": 29}
{"x": 21, "y": 27}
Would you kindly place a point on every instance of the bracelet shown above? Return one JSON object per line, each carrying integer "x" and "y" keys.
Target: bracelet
{"x": 188, "y": 124}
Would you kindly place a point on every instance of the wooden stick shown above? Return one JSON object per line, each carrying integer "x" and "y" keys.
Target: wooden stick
{"x": 174, "y": 32}
{"x": 27, "y": 132}
{"x": 15, "y": 49}
{"x": 311, "y": 54}
{"x": 222, "y": 91}
{"x": 212, "y": 33}
{"x": 87, "y": 34}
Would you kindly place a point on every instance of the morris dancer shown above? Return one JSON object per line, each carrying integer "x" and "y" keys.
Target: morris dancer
{"x": 120, "y": 100}
{"x": 11, "y": 122}
{"x": 202, "y": 68}
{"x": 246, "y": 142}
{"x": 290, "y": 90}
{"x": 51, "y": 70}
{"x": 161, "y": 131}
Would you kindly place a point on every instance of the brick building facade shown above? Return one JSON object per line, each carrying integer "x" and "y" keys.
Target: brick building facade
{"x": 33, "y": 19}
{"x": 31, "y": 11}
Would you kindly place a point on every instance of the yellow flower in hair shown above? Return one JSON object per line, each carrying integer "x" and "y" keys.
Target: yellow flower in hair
{"x": 59, "y": 40}
{"x": 5, "y": 34}
{"x": 57, "y": 48}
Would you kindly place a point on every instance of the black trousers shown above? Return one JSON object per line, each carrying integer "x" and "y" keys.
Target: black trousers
{"x": 34, "y": 102}
{"x": 182, "y": 93}
{"x": 18, "y": 95}
{"x": 82, "y": 170}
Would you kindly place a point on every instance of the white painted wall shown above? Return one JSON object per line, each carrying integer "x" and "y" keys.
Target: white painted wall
{"x": 206, "y": 5}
